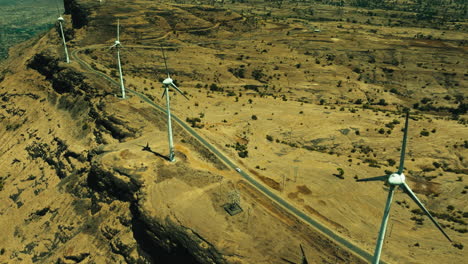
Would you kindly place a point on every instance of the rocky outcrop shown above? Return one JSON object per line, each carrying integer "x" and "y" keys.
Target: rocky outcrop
{"x": 55, "y": 154}
{"x": 79, "y": 12}
{"x": 73, "y": 92}
{"x": 184, "y": 244}
{"x": 63, "y": 80}
{"x": 159, "y": 242}
{"x": 45, "y": 64}
{"x": 118, "y": 184}
{"x": 115, "y": 126}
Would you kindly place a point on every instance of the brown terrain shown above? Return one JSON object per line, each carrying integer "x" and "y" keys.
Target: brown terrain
{"x": 289, "y": 94}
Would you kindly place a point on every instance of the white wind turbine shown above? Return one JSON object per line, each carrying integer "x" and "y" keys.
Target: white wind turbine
{"x": 396, "y": 180}
{"x": 167, "y": 83}
{"x": 117, "y": 46}
{"x": 60, "y": 21}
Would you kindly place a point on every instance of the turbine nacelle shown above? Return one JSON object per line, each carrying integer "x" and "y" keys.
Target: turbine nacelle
{"x": 396, "y": 179}
{"x": 168, "y": 81}
{"x": 117, "y": 43}
{"x": 60, "y": 19}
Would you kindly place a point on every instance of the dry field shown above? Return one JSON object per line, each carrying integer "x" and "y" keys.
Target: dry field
{"x": 291, "y": 96}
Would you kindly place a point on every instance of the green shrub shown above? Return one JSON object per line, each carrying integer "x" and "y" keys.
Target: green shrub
{"x": 424, "y": 133}
{"x": 243, "y": 154}
{"x": 340, "y": 173}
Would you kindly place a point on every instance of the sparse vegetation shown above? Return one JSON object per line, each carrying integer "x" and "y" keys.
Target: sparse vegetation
{"x": 458, "y": 245}
{"x": 194, "y": 122}
{"x": 340, "y": 173}
{"x": 424, "y": 133}
{"x": 240, "y": 148}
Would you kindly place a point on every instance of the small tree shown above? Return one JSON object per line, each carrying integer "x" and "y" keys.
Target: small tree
{"x": 382, "y": 102}
{"x": 243, "y": 154}
{"x": 340, "y": 173}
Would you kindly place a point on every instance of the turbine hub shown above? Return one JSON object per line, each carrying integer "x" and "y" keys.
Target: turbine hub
{"x": 167, "y": 81}
{"x": 117, "y": 43}
{"x": 396, "y": 179}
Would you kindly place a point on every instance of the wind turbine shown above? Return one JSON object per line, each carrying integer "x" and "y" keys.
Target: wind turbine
{"x": 61, "y": 20}
{"x": 168, "y": 82}
{"x": 395, "y": 180}
{"x": 117, "y": 46}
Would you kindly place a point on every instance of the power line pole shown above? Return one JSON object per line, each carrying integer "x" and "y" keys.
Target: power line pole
{"x": 295, "y": 173}
{"x": 283, "y": 182}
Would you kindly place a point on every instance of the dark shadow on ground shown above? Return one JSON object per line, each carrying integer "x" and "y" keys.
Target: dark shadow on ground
{"x": 148, "y": 148}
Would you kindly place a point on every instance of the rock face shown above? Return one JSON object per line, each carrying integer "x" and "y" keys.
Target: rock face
{"x": 80, "y": 13}
{"x": 55, "y": 119}
{"x": 63, "y": 80}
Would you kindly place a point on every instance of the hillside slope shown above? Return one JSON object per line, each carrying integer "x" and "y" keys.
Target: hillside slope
{"x": 84, "y": 174}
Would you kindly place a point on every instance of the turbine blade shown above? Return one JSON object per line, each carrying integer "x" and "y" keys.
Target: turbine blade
{"x": 378, "y": 178}
{"x": 118, "y": 25}
{"x": 403, "y": 146}
{"x": 411, "y": 194}
{"x": 165, "y": 63}
{"x": 178, "y": 90}
{"x": 58, "y": 9}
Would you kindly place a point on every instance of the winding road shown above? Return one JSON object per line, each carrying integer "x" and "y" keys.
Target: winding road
{"x": 298, "y": 213}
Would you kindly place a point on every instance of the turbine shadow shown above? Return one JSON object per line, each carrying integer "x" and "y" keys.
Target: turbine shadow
{"x": 288, "y": 261}
{"x": 157, "y": 154}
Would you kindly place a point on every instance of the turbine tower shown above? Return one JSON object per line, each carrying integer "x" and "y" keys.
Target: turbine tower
{"x": 117, "y": 46}
{"x": 60, "y": 21}
{"x": 168, "y": 82}
{"x": 396, "y": 180}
